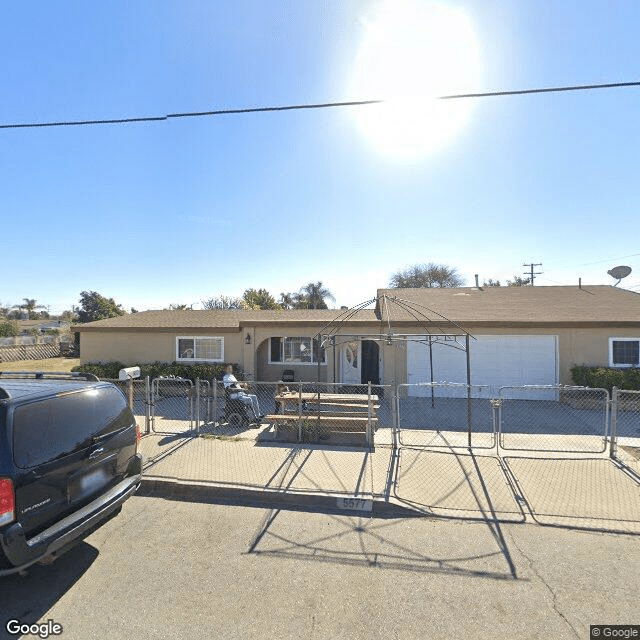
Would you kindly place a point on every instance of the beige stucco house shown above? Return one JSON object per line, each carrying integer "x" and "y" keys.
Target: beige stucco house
{"x": 517, "y": 335}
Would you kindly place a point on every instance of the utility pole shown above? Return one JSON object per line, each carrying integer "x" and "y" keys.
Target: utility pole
{"x": 532, "y": 273}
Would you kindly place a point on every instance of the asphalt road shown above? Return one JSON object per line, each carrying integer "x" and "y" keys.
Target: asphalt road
{"x": 179, "y": 569}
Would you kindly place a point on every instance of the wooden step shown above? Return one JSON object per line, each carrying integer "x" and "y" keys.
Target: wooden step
{"x": 332, "y": 419}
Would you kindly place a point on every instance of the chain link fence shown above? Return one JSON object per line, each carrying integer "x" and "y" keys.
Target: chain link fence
{"x": 137, "y": 394}
{"x": 445, "y": 415}
{"x": 625, "y": 429}
{"x": 301, "y": 412}
{"x": 561, "y": 419}
{"x": 563, "y": 456}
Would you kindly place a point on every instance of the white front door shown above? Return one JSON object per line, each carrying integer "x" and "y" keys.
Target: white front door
{"x": 350, "y": 365}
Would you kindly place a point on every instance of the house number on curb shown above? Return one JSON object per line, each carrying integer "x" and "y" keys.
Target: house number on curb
{"x": 355, "y": 504}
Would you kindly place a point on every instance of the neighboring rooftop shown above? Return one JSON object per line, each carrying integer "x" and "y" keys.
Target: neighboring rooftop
{"x": 513, "y": 305}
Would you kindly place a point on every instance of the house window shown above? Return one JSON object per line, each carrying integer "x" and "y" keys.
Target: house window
{"x": 203, "y": 348}
{"x": 296, "y": 350}
{"x": 624, "y": 352}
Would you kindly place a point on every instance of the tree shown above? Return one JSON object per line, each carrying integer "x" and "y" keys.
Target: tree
{"x": 30, "y": 305}
{"x": 287, "y": 301}
{"x": 426, "y": 276}
{"x": 259, "y": 299}
{"x": 310, "y": 296}
{"x": 315, "y": 294}
{"x": 9, "y": 328}
{"x": 518, "y": 281}
{"x": 179, "y": 307}
{"x": 94, "y": 307}
{"x": 223, "y": 302}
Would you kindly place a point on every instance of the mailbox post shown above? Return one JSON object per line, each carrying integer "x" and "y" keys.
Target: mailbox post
{"x": 128, "y": 374}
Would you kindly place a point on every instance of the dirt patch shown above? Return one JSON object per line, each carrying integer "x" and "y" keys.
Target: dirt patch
{"x": 49, "y": 364}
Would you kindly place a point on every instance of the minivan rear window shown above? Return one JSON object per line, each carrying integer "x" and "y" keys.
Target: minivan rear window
{"x": 50, "y": 428}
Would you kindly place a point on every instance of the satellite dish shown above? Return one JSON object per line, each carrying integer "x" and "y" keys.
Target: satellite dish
{"x": 619, "y": 272}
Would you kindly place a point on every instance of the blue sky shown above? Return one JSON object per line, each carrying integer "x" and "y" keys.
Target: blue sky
{"x": 183, "y": 210}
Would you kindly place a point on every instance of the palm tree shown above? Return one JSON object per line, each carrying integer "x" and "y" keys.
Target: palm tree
{"x": 286, "y": 301}
{"x": 315, "y": 294}
{"x": 29, "y": 305}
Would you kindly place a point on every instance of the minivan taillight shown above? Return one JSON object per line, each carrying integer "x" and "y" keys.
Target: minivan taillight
{"x": 7, "y": 501}
{"x": 138, "y": 436}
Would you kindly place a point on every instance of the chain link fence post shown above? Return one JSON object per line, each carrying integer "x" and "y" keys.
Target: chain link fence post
{"x": 215, "y": 402}
{"x": 614, "y": 423}
{"x": 198, "y": 406}
{"x": 147, "y": 405}
{"x": 369, "y": 416}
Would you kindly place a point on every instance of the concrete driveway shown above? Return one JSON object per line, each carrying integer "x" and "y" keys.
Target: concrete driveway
{"x": 175, "y": 568}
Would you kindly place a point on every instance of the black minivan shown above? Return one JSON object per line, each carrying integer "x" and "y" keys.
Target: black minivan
{"x": 68, "y": 460}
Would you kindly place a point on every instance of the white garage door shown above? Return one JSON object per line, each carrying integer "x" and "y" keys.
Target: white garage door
{"x": 496, "y": 361}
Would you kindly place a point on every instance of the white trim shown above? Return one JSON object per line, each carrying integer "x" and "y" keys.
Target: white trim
{"x": 621, "y": 366}
{"x": 194, "y": 338}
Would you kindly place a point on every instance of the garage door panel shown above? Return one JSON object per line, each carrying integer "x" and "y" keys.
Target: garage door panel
{"x": 496, "y": 360}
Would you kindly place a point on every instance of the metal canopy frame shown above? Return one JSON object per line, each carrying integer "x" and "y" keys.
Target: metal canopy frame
{"x": 437, "y": 328}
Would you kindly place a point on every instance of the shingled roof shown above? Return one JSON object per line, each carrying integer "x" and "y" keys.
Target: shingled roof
{"x": 222, "y": 320}
{"x": 488, "y": 306}
{"x": 599, "y": 304}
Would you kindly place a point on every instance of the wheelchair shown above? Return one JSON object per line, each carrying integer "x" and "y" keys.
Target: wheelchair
{"x": 236, "y": 413}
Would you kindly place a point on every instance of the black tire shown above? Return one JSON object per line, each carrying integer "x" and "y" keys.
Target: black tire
{"x": 235, "y": 419}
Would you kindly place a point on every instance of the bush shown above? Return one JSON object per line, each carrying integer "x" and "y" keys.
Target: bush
{"x": 9, "y": 328}
{"x": 156, "y": 369}
{"x": 606, "y": 378}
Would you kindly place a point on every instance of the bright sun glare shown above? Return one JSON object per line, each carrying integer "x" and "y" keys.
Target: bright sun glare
{"x": 411, "y": 52}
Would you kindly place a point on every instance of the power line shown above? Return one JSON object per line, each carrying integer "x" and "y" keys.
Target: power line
{"x": 296, "y": 107}
{"x": 631, "y": 255}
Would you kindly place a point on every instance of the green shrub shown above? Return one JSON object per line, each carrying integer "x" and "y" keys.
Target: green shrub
{"x": 606, "y": 377}
{"x": 156, "y": 369}
{"x": 9, "y": 328}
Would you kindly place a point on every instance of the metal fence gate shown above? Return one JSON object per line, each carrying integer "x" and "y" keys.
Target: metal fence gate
{"x": 173, "y": 405}
{"x": 452, "y": 416}
{"x": 560, "y": 419}
{"x": 517, "y": 418}
{"x": 564, "y": 456}
{"x": 625, "y": 423}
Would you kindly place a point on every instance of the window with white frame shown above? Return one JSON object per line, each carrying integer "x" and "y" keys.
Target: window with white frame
{"x": 296, "y": 350}
{"x": 204, "y": 348}
{"x": 624, "y": 352}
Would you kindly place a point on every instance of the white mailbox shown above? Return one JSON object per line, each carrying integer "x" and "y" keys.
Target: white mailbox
{"x": 129, "y": 372}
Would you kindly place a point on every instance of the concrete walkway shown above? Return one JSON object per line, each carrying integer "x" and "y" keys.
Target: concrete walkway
{"x": 587, "y": 491}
